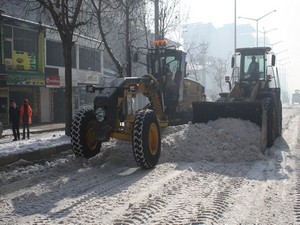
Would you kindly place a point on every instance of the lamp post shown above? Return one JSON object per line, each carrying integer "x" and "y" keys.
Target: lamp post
{"x": 285, "y": 50}
{"x": 234, "y": 32}
{"x": 258, "y": 19}
{"x": 280, "y": 61}
{"x": 276, "y": 43}
{"x": 265, "y": 32}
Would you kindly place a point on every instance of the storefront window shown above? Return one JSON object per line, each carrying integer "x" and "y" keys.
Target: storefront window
{"x": 25, "y": 40}
{"x": 7, "y": 49}
{"x": 89, "y": 59}
{"x": 55, "y": 55}
{"x": 7, "y": 31}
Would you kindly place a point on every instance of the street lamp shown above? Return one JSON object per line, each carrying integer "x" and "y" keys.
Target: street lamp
{"x": 280, "y": 61}
{"x": 276, "y": 43}
{"x": 265, "y": 32}
{"x": 285, "y": 50}
{"x": 257, "y": 23}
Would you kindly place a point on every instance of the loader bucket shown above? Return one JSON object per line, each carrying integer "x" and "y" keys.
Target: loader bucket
{"x": 206, "y": 111}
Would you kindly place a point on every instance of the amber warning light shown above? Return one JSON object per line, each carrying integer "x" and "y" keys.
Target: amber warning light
{"x": 160, "y": 43}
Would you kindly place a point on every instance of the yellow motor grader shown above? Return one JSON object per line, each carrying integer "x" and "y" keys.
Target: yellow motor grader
{"x": 110, "y": 118}
{"x": 254, "y": 94}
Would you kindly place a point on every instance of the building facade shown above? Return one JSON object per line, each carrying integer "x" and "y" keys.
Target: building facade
{"x": 32, "y": 67}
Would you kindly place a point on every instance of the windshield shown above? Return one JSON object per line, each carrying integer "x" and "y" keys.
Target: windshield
{"x": 253, "y": 67}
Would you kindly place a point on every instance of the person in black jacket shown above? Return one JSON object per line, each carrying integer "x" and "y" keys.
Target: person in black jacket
{"x": 14, "y": 119}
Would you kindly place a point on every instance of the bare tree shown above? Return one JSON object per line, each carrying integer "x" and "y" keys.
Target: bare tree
{"x": 217, "y": 69}
{"x": 208, "y": 70}
{"x": 170, "y": 16}
{"x": 118, "y": 22}
{"x": 197, "y": 58}
{"x": 67, "y": 17}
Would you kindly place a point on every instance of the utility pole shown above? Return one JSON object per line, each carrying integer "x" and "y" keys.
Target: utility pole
{"x": 156, "y": 20}
{"x": 128, "y": 44}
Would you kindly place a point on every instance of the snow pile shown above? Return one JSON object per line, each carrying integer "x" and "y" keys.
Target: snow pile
{"x": 224, "y": 140}
{"x": 45, "y": 140}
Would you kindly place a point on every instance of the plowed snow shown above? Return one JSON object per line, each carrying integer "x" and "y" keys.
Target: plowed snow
{"x": 207, "y": 174}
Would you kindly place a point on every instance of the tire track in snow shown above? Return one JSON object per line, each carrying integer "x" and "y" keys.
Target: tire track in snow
{"x": 100, "y": 198}
{"x": 181, "y": 201}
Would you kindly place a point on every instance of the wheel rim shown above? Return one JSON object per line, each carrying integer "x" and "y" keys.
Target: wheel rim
{"x": 153, "y": 139}
{"x": 91, "y": 140}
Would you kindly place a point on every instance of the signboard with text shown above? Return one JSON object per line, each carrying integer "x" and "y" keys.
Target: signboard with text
{"x": 52, "y": 81}
{"x": 52, "y": 77}
{"x": 25, "y": 78}
{"x": 24, "y": 61}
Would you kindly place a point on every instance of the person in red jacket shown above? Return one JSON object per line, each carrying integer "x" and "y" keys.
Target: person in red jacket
{"x": 25, "y": 117}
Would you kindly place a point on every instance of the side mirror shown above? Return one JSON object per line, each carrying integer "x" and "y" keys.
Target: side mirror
{"x": 273, "y": 60}
{"x": 232, "y": 62}
{"x": 185, "y": 73}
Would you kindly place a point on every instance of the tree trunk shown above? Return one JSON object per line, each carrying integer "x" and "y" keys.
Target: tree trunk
{"x": 68, "y": 86}
{"x": 128, "y": 53}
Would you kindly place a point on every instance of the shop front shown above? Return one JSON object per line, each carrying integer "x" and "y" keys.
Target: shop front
{"x": 26, "y": 85}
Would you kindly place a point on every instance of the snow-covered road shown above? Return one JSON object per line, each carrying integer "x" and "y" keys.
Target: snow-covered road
{"x": 207, "y": 174}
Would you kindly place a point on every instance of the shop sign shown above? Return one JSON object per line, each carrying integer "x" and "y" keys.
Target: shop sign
{"x": 25, "y": 78}
{"x": 52, "y": 81}
{"x": 24, "y": 61}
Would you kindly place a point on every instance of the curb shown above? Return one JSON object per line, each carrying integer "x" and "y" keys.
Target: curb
{"x": 36, "y": 132}
{"x": 34, "y": 155}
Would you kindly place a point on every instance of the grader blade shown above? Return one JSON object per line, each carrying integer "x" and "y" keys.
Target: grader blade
{"x": 206, "y": 111}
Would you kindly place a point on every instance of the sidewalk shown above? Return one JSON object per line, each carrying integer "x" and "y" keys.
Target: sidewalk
{"x": 37, "y": 128}
{"x": 32, "y": 151}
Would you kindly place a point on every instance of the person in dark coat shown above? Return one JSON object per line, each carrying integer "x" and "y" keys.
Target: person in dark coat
{"x": 14, "y": 119}
{"x": 25, "y": 117}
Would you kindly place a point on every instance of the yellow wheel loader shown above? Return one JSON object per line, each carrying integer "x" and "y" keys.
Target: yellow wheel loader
{"x": 254, "y": 94}
{"x": 110, "y": 118}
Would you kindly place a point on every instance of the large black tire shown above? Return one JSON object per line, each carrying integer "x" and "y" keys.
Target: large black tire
{"x": 1, "y": 130}
{"x": 279, "y": 119}
{"x": 146, "y": 139}
{"x": 272, "y": 125}
{"x": 83, "y": 138}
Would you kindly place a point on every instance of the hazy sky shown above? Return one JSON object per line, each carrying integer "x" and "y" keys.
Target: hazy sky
{"x": 284, "y": 23}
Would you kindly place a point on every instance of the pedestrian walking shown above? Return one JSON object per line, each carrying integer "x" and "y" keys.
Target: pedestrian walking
{"x": 14, "y": 119}
{"x": 25, "y": 117}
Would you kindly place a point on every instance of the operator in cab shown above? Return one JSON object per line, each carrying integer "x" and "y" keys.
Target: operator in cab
{"x": 253, "y": 69}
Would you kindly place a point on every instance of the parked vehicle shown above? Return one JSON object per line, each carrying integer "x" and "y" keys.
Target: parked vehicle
{"x": 296, "y": 97}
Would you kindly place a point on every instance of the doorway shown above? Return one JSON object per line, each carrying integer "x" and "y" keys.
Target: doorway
{"x": 4, "y": 110}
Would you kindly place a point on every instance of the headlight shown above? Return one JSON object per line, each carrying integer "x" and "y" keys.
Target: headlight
{"x": 100, "y": 114}
{"x": 133, "y": 88}
{"x": 89, "y": 88}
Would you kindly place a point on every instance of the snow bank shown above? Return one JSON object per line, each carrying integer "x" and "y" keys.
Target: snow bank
{"x": 224, "y": 140}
